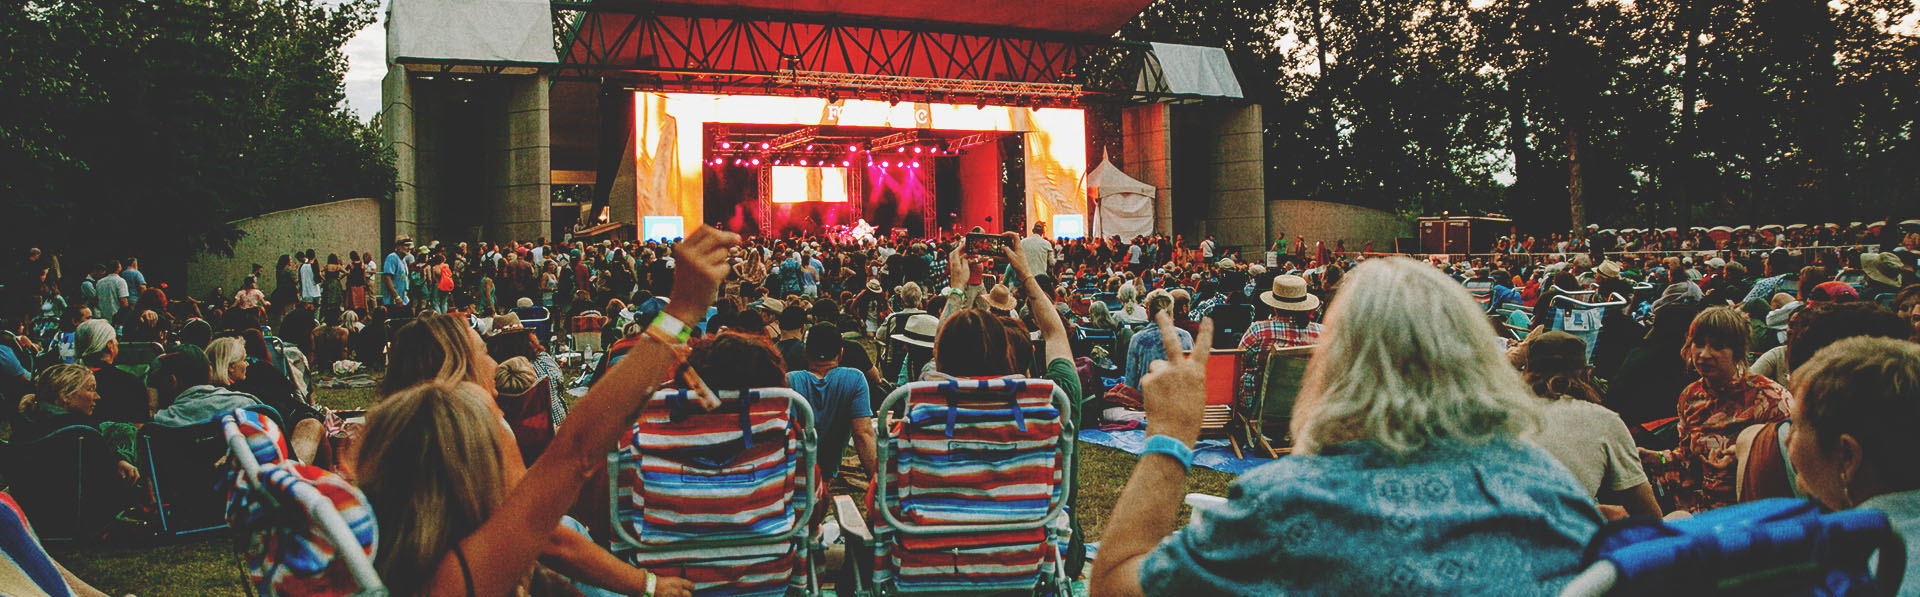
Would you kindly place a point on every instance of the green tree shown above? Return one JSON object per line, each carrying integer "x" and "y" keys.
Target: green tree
{"x": 142, "y": 128}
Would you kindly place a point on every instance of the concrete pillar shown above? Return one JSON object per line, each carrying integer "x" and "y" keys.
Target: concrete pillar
{"x": 1236, "y": 214}
{"x": 1148, "y": 147}
{"x": 400, "y": 213}
{"x": 521, "y": 202}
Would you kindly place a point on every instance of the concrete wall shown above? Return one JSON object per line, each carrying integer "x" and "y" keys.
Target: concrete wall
{"x": 1236, "y": 173}
{"x": 1147, "y": 142}
{"x": 337, "y": 227}
{"x": 473, "y": 156}
{"x": 1324, "y": 221}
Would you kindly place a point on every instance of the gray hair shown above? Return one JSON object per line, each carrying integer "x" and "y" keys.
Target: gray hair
{"x": 221, "y": 355}
{"x": 911, "y": 295}
{"x": 1406, "y": 358}
{"x": 92, "y": 337}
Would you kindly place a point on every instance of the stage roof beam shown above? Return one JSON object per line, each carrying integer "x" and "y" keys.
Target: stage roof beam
{"x": 900, "y": 139}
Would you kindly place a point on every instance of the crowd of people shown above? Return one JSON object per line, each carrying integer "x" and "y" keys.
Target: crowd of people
{"x": 1448, "y": 437}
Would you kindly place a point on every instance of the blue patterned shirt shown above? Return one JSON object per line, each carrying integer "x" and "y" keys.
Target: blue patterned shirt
{"x": 1497, "y": 518}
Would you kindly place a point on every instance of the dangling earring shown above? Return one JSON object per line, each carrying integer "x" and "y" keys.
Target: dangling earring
{"x": 1846, "y": 493}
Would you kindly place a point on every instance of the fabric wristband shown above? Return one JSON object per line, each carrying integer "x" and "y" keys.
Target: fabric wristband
{"x": 670, "y": 329}
{"x": 652, "y": 582}
{"x": 1178, "y": 450}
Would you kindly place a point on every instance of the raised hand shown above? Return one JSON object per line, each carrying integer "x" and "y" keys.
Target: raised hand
{"x": 1175, "y": 389}
{"x": 700, "y": 264}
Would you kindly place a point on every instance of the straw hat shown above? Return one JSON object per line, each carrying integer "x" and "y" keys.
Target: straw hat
{"x": 1290, "y": 294}
{"x": 919, "y": 330}
{"x": 873, "y": 285}
{"x": 1001, "y": 298}
{"x": 1884, "y": 267}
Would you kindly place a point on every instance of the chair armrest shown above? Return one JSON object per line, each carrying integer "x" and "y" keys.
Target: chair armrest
{"x": 851, "y": 521}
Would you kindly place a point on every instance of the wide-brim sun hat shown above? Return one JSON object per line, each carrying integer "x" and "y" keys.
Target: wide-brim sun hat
{"x": 1289, "y": 293}
{"x": 1000, "y": 298}
{"x": 919, "y": 330}
{"x": 1884, "y": 267}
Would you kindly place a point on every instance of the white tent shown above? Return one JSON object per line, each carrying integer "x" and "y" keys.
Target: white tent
{"x": 1125, "y": 205}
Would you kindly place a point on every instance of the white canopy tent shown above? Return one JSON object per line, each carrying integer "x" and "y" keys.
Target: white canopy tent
{"x": 1125, "y": 205}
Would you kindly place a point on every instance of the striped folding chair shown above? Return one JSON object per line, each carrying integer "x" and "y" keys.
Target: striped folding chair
{"x": 309, "y": 532}
{"x": 720, "y": 498}
{"x": 973, "y": 491}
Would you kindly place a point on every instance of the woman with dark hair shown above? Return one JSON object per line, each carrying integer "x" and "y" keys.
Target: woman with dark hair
{"x": 333, "y": 286}
{"x": 356, "y": 282}
{"x": 286, "y": 284}
{"x": 1653, "y": 370}
{"x": 1583, "y": 435}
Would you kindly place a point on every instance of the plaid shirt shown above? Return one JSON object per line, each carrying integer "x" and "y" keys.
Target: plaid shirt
{"x": 1205, "y": 306}
{"x": 1269, "y": 334}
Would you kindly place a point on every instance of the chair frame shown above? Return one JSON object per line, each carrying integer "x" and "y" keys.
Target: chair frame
{"x": 144, "y": 446}
{"x": 316, "y": 506}
{"x": 1253, "y": 418}
{"x": 1069, "y": 435}
{"x": 625, "y": 545}
{"x": 87, "y": 434}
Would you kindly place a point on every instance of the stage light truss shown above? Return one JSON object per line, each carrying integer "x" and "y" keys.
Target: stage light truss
{"x": 1010, "y": 91}
{"x": 660, "y": 47}
{"x": 900, "y": 139}
{"x": 794, "y": 139}
{"x": 960, "y": 143}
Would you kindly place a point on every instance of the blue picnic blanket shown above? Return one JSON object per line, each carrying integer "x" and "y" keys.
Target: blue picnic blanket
{"x": 1211, "y": 453}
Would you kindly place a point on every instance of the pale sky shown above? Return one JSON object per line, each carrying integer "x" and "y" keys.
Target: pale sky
{"x": 366, "y": 64}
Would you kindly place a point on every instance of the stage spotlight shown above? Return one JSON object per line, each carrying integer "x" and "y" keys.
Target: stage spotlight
{"x": 809, "y": 148}
{"x": 756, "y": 161}
{"x": 916, "y": 149}
{"x": 846, "y": 164}
{"x": 776, "y": 161}
{"x": 853, "y": 148}
{"x": 803, "y": 161}
{"x": 833, "y": 97}
{"x": 725, "y": 145}
{"x": 886, "y": 164}
{"x": 765, "y": 146}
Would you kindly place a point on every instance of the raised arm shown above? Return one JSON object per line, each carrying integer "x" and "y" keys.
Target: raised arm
{"x": 1175, "y": 397}
{"x": 1045, "y": 316}
{"x": 505, "y": 546}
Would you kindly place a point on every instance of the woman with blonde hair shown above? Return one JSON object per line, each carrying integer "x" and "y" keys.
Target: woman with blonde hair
{"x": 65, "y": 395}
{"x": 458, "y": 513}
{"x": 1410, "y": 473}
{"x": 1699, "y": 472}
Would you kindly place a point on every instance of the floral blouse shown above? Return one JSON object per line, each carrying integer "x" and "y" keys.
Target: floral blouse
{"x": 1710, "y": 419}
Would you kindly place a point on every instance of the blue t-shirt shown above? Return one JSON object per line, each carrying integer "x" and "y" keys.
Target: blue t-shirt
{"x": 10, "y": 364}
{"x": 837, "y": 399}
{"x": 134, "y": 278}
{"x": 396, "y": 270}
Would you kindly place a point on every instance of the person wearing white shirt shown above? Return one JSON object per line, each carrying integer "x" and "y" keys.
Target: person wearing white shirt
{"x": 1038, "y": 250}
{"x": 309, "y": 279}
{"x": 1206, "y": 248}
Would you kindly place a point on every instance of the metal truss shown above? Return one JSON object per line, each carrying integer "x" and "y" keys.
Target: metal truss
{"x": 707, "y": 50}
{"x": 900, "y": 139}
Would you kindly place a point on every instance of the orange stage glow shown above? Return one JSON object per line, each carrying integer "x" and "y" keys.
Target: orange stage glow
{"x": 799, "y": 184}
{"x": 668, "y": 154}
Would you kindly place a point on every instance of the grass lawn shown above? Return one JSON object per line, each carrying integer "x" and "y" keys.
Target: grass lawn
{"x": 209, "y": 564}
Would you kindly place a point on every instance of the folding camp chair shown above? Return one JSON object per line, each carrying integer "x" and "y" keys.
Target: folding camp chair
{"x": 297, "y": 517}
{"x": 1779, "y": 546}
{"x": 1581, "y": 318}
{"x": 1281, "y": 372}
{"x": 20, "y": 548}
{"x": 181, "y": 463}
{"x": 720, "y": 498}
{"x": 530, "y": 414}
{"x": 972, "y": 494}
{"x": 1112, "y": 300}
{"x": 1482, "y": 292}
{"x": 583, "y": 333}
{"x": 139, "y": 353}
{"x": 68, "y": 482}
{"x": 1218, "y": 420}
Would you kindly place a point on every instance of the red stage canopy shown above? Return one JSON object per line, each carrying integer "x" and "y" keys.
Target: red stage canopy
{"x": 1099, "y": 18}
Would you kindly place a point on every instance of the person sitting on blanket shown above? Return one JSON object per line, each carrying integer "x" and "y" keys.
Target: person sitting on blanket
{"x": 839, "y": 398}
{"x": 1852, "y": 434}
{"x": 459, "y": 515}
{"x": 1409, "y": 475}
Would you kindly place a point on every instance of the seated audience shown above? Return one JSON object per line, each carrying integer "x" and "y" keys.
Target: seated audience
{"x": 841, "y": 407}
{"x": 1410, "y": 474}
{"x": 1584, "y": 436}
{"x": 1699, "y": 472}
{"x": 1852, "y": 441}
{"x": 1291, "y": 325}
{"x": 1145, "y": 345}
{"x": 228, "y": 369}
{"x": 66, "y": 395}
{"x": 123, "y": 397}
{"x": 445, "y": 480}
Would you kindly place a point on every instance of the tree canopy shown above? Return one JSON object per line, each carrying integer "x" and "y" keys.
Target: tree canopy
{"x": 1617, "y": 112}
{"x": 143, "y": 127}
